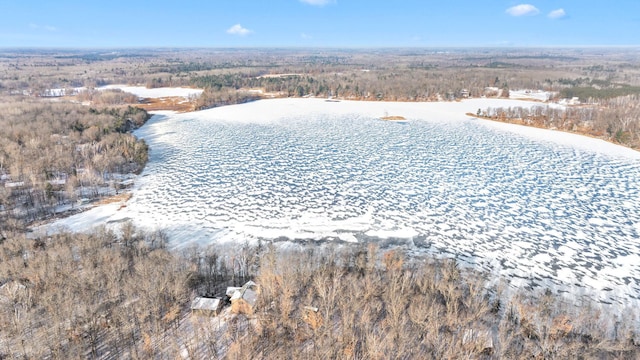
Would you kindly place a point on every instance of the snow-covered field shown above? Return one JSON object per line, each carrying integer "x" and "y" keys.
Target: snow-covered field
{"x": 155, "y": 93}
{"x": 538, "y": 95}
{"x": 542, "y": 208}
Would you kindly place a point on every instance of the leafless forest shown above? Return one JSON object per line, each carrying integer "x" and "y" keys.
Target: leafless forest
{"x": 53, "y": 154}
{"x": 64, "y": 144}
{"x": 103, "y": 295}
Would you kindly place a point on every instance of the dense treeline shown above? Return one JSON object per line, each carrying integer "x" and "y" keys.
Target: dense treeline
{"x": 54, "y": 153}
{"x": 616, "y": 120}
{"x": 106, "y": 295}
{"x": 401, "y": 84}
{"x": 591, "y": 94}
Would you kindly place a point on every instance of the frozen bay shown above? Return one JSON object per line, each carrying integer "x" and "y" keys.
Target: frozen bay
{"x": 541, "y": 207}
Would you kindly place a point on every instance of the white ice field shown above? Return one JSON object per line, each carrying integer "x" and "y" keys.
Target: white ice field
{"x": 542, "y": 208}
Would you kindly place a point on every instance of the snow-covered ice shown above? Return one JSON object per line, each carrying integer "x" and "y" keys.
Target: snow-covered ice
{"x": 561, "y": 210}
{"x": 155, "y": 93}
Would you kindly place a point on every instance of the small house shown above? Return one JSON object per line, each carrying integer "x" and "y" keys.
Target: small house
{"x": 206, "y": 306}
{"x": 244, "y": 299}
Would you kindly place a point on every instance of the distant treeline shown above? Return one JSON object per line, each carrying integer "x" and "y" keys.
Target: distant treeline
{"x": 591, "y": 94}
{"x": 399, "y": 85}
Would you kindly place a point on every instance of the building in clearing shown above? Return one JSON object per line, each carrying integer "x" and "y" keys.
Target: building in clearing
{"x": 206, "y": 306}
{"x": 244, "y": 299}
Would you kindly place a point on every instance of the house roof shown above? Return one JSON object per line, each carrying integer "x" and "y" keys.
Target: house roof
{"x": 203, "y": 303}
{"x": 232, "y": 290}
{"x": 247, "y": 293}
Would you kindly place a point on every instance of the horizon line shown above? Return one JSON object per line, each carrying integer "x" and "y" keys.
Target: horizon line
{"x": 335, "y": 47}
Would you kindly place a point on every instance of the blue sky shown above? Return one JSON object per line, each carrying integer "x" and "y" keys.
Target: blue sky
{"x": 318, "y": 23}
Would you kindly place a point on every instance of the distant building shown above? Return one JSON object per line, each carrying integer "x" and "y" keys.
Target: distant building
{"x": 244, "y": 299}
{"x": 464, "y": 93}
{"x": 206, "y": 306}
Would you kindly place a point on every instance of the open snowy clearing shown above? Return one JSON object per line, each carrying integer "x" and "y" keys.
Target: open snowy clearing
{"x": 156, "y": 93}
{"x": 540, "y": 207}
{"x": 538, "y": 95}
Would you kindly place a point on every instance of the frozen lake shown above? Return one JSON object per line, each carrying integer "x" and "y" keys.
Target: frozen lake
{"x": 540, "y": 207}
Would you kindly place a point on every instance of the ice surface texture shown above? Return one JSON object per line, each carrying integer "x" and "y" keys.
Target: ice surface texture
{"x": 543, "y": 212}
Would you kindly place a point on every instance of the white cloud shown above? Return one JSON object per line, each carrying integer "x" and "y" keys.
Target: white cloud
{"x": 237, "y": 29}
{"x": 557, "y": 14}
{"x": 305, "y": 36}
{"x": 522, "y": 10}
{"x": 318, "y": 2}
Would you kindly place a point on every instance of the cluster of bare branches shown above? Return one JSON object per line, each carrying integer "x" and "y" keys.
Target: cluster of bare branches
{"x": 107, "y": 97}
{"x": 52, "y": 153}
{"x": 108, "y": 295}
{"x": 87, "y": 296}
{"x": 359, "y": 304}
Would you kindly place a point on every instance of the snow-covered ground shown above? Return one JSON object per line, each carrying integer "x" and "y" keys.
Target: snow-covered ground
{"x": 539, "y": 95}
{"x": 61, "y": 92}
{"x": 542, "y": 208}
{"x": 143, "y": 92}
